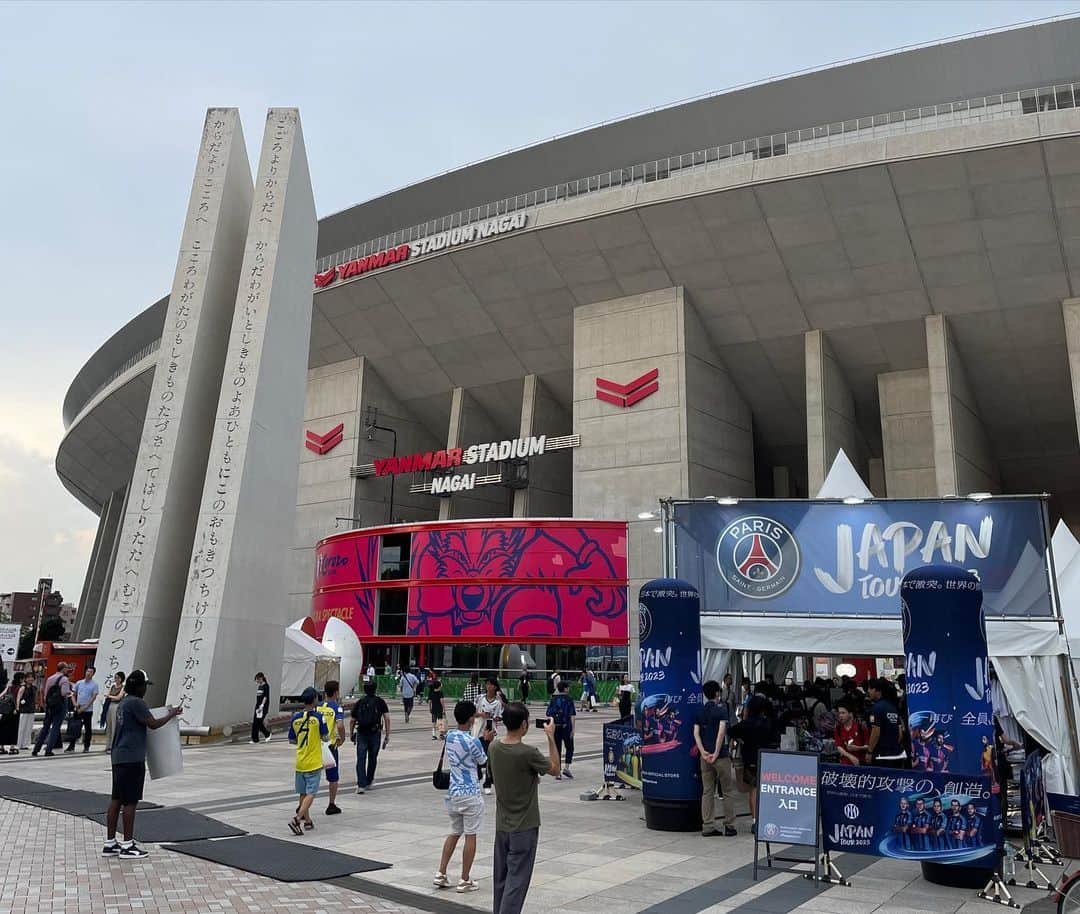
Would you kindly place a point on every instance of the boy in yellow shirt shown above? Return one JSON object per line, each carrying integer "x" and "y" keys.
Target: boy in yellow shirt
{"x": 307, "y": 730}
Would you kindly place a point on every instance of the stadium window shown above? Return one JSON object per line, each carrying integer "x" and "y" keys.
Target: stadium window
{"x": 394, "y": 556}
{"x": 391, "y": 612}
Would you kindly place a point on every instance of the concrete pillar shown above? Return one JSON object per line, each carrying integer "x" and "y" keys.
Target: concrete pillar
{"x": 548, "y": 492}
{"x": 95, "y": 588}
{"x": 147, "y": 590}
{"x": 781, "y": 482}
{"x": 907, "y": 434}
{"x": 876, "y": 483}
{"x": 830, "y": 413}
{"x": 470, "y": 424}
{"x": 963, "y": 456}
{"x": 691, "y": 437}
{"x": 1070, "y": 310}
{"x": 235, "y": 609}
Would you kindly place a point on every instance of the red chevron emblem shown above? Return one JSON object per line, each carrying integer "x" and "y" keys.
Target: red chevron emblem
{"x": 626, "y": 395}
{"x": 323, "y": 444}
{"x": 324, "y": 279}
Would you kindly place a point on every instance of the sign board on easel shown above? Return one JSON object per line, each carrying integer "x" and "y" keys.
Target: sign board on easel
{"x": 9, "y": 644}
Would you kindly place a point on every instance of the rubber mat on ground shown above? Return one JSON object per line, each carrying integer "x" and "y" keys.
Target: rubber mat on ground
{"x": 174, "y": 823}
{"x": 17, "y": 787}
{"x": 286, "y": 861}
{"x": 75, "y": 802}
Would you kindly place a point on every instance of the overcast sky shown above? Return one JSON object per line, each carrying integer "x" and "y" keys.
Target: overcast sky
{"x": 104, "y": 105}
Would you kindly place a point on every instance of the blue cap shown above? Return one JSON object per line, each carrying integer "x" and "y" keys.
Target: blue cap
{"x": 309, "y": 696}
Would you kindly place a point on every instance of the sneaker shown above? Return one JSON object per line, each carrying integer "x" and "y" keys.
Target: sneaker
{"x": 69, "y": 749}
{"x": 132, "y": 852}
{"x": 110, "y": 850}
{"x": 711, "y": 834}
{"x": 730, "y": 831}
{"x": 268, "y": 737}
{"x": 359, "y": 789}
{"x": 333, "y": 810}
{"x": 254, "y": 742}
{"x": 440, "y": 881}
{"x": 558, "y": 777}
{"x": 35, "y": 752}
{"x": 85, "y": 748}
{"x": 568, "y": 773}
{"x": 467, "y": 885}
{"x": 433, "y": 736}
{"x": 487, "y": 791}
{"x": 48, "y": 754}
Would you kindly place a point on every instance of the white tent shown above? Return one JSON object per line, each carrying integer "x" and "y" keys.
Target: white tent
{"x": 305, "y": 663}
{"x": 1067, "y": 570}
{"x": 1026, "y": 654}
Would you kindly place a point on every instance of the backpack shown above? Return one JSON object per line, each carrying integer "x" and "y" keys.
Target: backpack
{"x": 366, "y": 714}
{"x": 7, "y": 704}
{"x": 561, "y": 717}
{"x": 829, "y": 723}
{"x": 54, "y": 698}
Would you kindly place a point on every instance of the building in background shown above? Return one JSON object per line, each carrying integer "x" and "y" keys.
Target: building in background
{"x": 708, "y": 299}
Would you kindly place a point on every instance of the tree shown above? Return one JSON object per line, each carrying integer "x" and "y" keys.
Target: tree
{"x": 52, "y": 629}
{"x": 26, "y": 643}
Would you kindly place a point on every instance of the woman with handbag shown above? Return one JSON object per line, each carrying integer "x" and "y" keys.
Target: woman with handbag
{"x": 9, "y": 716}
{"x": 25, "y": 701}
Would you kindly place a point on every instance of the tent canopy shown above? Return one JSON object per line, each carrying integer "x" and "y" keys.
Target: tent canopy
{"x": 305, "y": 662}
{"x": 843, "y": 480}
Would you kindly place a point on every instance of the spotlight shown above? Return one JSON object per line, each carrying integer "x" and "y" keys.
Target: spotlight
{"x": 980, "y": 496}
{"x": 853, "y": 500}
{"x": 727, "y": 500}
{"x": 646, "y": 515}
{"x": 657, "y": 529}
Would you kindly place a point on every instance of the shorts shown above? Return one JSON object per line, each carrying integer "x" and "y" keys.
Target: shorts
{"x": 333, "y": 774}
{"x": 127, "y": 782}
{"x": 749, "y": 775}
{"x": 466, "y": 814}
{"x": 437, "y": 713}
{"x": 308, "y": 781}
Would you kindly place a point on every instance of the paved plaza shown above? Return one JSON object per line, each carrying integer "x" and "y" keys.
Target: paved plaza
{"x": 594, "y": 857}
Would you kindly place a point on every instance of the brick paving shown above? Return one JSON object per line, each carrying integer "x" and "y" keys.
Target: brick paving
{"x": 54, "y": 867}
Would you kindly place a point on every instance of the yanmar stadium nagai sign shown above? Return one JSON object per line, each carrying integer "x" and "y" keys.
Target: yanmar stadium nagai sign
{"x": 451, "y": 238}
{"x": 487, "y": 452}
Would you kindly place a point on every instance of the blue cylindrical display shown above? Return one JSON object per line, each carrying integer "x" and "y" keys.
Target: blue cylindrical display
{"x": 670, "y": 643}
{"x": 950, "y": 716}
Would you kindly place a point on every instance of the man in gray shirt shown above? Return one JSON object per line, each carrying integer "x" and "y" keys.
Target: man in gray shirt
{"x": 133, "y": 718}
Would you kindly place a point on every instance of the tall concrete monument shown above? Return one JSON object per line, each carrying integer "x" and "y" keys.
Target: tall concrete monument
{"x": 143, "y": 608}
{"x": 235, "y": 608}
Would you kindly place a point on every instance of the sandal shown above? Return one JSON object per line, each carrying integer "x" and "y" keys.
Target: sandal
{"x": 309, "y": 826}
{"x": 294, "y": 826}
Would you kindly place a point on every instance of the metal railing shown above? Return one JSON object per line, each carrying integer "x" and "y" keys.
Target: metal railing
{"x": 930, "y": 117}
{"x": 130, "y": 362}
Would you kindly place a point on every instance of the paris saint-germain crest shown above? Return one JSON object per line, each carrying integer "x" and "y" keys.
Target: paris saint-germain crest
{"x": 758, "y": 557}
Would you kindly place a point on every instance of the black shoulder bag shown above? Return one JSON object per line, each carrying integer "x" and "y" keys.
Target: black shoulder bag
{"x": 440, "y": 779}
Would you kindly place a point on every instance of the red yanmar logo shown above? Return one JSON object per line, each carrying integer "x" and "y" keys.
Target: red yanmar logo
{"x": 323, "y": 444}
{"x": 625, "y": 395}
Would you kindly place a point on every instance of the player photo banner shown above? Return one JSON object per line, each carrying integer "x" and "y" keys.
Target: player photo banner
{"x": 950, "y": 717}
{"x": 669, "y": 631}
{"x": 622, "y": 752}
{"x": 1033, "y": 801}
{"x": 908, "y": 815}
{"x": 833, "y": 559}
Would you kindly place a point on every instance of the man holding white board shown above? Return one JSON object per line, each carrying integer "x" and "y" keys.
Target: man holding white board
{"x": 133, "y": 719}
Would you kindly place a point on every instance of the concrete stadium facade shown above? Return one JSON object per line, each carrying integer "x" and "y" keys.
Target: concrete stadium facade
{"x": 689, "y": 312}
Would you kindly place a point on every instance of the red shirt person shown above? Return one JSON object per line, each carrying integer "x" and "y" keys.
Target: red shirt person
{"x": 851, "y": 737}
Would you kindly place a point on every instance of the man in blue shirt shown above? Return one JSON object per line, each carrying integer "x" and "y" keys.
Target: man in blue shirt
{"x": 937, "y": 828}
{"x": 955, "y": 827}
{"x": 920, "y": 826}
{"x": 85, "y": 693}
{"x": 902, "y": 825}
{"x": 973, "y": 835}
{"x": 334, "y": 715}
{"x": 562, "y": 713}
{"x": 710, "y": 736}
{"x": 464, "y": 803}
{"x": 885, "y": 726}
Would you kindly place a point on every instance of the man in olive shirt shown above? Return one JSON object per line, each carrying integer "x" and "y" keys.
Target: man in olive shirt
{"x": 516, "y": 768}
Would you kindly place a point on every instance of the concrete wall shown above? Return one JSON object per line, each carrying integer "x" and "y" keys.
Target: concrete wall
{"x": 325, "y": 489}
{"x": 830, "y": 413}
{"x": 141, "y": 618}
{"x": 963, "y": 456}
{"x": 549, "y": 491}
{"x": 907, "y": 434}
{"x": 659, "y": 447}
{"x": 236, "y": 605}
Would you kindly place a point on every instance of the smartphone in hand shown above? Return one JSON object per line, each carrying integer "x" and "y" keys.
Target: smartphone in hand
{"x": 540, "y": 723}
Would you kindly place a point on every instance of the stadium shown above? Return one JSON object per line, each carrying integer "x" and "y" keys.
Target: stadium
{"x": 710, "y": 299}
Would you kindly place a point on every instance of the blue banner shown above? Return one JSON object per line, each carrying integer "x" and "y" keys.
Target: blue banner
{"x": 788, "y": 797}
{"x": 622, "y": 752}
{"x": 670, "y": 643}
{"x": 909, "y": 815}
{"x": 950, "y": 717}
{"x": 1033, "y": 801}
{"x": 836, "y": 559}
